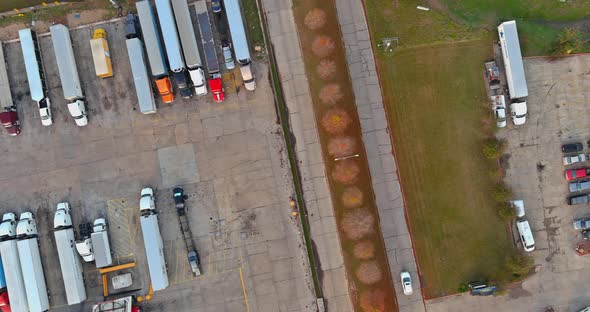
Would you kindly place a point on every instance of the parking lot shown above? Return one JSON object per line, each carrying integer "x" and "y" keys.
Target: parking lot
{"x": 558, "y": 112}
{"x": 228, "y": 156}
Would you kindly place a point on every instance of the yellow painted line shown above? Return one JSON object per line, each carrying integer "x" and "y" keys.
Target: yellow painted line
{"x": 244, "y": 290}
{"x": 105, "y": 285}
{"x": 176, "y": 260}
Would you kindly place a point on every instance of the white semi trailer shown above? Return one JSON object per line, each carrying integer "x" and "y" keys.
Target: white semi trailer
{"x": 515, "y": 76}
{"x": 240, "y": 43}
{"x": 30, "y": 262}
{"x": 141, "y": 80}
{"x": 71, "y": 267}
{"x": 35, "y": 74}
{"x": 68, "y": 73}
{"x": 11, "y": 264}
{"x": 154, "y": 247}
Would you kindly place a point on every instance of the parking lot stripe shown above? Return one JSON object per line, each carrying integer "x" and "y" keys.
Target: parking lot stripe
{"x": 244, "y": 290}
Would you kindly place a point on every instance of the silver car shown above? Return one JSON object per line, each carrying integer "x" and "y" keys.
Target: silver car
{"x": 582, "y": 224}
{"x": 579, "y": 186}
{"x": 229, "y": 60}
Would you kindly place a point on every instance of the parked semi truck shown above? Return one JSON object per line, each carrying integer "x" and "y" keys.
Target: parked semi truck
{"x": 154, "y": 247}
{"x": 11, "y": 264}
{"x": 100, "y": 243}
{"x": 68, "y": 73}
{"x": 143, "y": 88}
{"x": 71, "y": 267}
{"x": 155, "y": 52}
{"x": 4, "y": 300}
{"x": 215, "y": 83}
{"x": 125, "y": 304}
{"x": 173, "y": 48}
{"x": 8, "y": 114}
{"x": 35, "y": 74}
{"x": 515, "y": 76}
{"x": 192, "y": 56}
{"x": 30, "y": 262}
{"x": 100, "y": 54}
{"x": 240, "y": 43}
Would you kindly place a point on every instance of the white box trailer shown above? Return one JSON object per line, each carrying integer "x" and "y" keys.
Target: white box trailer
{"x": 30, "y": 262}
{"x": 151, "y": 39}
{"x": 68, "y": 72}
{"x": 69, "y": 262}
{"x": 100, "y": 242}
{"x": 143, "y": 87}
{"x": 35, "y": 74}
{"x": 186, "y": 31}
{"x": 11, "y": 264}
{"x": 170, "y": 35}
{"x": 154, "y": 246}
{"x": 6, "y": 98}
{"x": 515, "y": 76}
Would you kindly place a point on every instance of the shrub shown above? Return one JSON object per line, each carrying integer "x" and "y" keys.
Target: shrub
{"x": 568, "y": 42}
{"x": 501, "y": 193}
{"x": 463, "y": 288}
{"x": 520, "y": 264}
{"x": 506, "y": 211}
{"x": 493, "y": 148}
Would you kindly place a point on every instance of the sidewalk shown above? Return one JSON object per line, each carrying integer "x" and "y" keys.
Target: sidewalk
{"x": 376, "y": 139}
{"x": 283, "y": 35}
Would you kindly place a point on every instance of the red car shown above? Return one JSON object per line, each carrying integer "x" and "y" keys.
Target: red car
{"x": 574, "y": 174}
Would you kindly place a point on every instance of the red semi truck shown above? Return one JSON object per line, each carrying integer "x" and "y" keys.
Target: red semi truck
{"x": 8, "y": 115}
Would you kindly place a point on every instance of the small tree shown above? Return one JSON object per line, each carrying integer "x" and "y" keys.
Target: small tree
{"x": 568, "y": 42}
{"x": 506, "y": 211}
{"x": 520, "y": 264}
{"x": 493, "y": 148}
{"x": 463, "y": 288}
{"x": 501, "y": 193}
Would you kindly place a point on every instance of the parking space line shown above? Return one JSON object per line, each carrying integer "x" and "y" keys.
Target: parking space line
{"x": 244, "y": 290}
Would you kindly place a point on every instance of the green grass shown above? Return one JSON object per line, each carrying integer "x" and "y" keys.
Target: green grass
{"x": 539, "y": 21}
{"x": 253, "y": 27}
{"x": 434, "y": 97}
{"x": 8, "y": 5}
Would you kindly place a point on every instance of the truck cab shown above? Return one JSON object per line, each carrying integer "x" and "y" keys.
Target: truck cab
{"x": 8, "y": 226}
{"x": 248, "y": 76}
{"x": 165, "y": 89}
{"x": 518, "y": 111}
{"x": 179, "y": 198}
{"x": 216, "y": 87}
{"x": 199, "y": 81}
{"x": 147, "y": 201}
{"x": 84, "y": 245}
{"x": 183, "y": 84}
{"x": 45, "y": 112}
{"x": 78, "y": 111}
{"x": 62, "y": 216}
{"x": 27, "y": 226}
{"x": 10, "y": 122}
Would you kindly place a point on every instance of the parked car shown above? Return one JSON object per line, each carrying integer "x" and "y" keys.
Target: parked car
{"x": 216, "y": 6}
{"x": 573, "y": 174}
{"x": 228, "y": 59}
{"x": 570, "y": 160}
{"x": 582, "y": 224}
{"x": 586, "y": 234}
{"x": 578, "y": 199}
{"x": 406, "y": 283}
{"x": 499, "y": 110}
{"x": 579, "y": 186}
{"x": 572, "y": 147}
{"x": 586, "y": 309}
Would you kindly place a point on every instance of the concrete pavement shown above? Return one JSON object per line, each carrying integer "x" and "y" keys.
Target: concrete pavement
{"x": 388, "y": 194}
{"x": 283, "y": 35}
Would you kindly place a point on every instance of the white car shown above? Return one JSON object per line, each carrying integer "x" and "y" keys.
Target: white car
{"x": 518, "y": 111}
{"x": 406, "y": 283}
{"x": 570, "y": 160}
{"x": 499, "y": 109}
{"x": 228, "y": 58}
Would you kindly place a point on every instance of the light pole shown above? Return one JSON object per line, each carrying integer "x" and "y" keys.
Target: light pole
{"x": 346, "y": 157}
